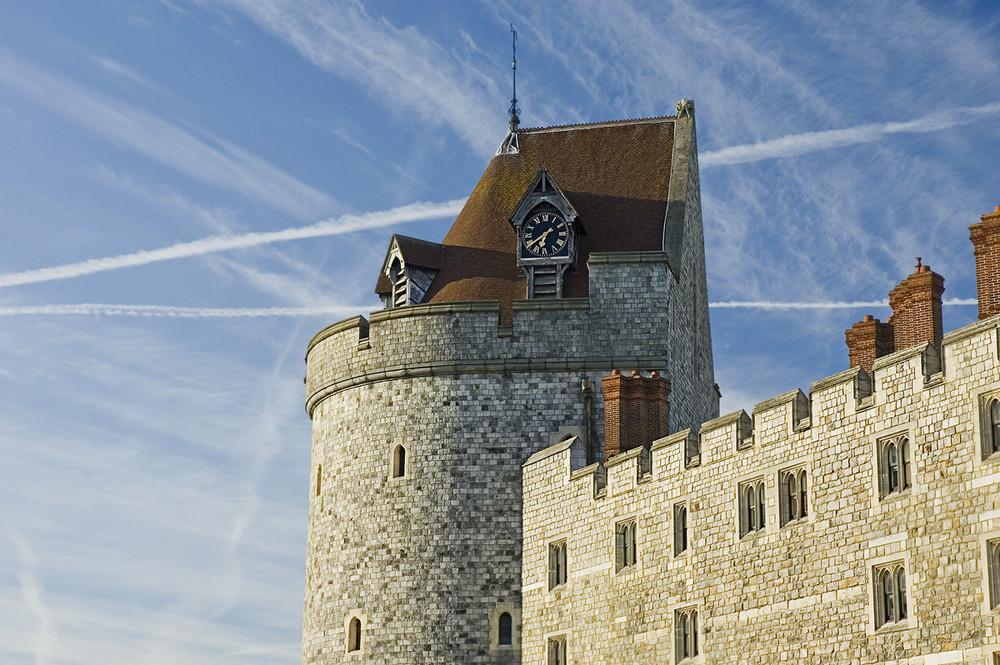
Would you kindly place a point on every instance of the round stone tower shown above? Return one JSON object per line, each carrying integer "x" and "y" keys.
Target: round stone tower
{"x": 579, "y": 253}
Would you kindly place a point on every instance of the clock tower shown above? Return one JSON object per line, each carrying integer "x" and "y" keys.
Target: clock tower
{"x": 547, "y": 226}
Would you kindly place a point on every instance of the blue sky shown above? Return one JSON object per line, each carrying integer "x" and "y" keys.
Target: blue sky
{"x": 190, "y": 189}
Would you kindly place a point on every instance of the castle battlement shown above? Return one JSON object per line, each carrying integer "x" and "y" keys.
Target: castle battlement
{"x": 773, "y": 528}
{"x": 626, "y": 319}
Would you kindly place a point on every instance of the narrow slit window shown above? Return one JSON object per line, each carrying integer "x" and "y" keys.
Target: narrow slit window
{"x": 319, "y": 479}
{"x": 354, "y": 635}
{"x": 557, "y": 564}
{"x": 399, "y": 461}
{"x": 680, "y": 529}
{"x": 753, "y": 511}
{"x": 993, "y": 571}
{"x": 625, "y": 545}
{"x": 505, "y": 630}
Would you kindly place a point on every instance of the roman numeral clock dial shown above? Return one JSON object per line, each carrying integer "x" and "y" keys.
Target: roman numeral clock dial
{"x": 545, "y": 233}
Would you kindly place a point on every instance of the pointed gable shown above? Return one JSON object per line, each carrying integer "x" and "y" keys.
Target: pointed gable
{"x": 616, "y": 174}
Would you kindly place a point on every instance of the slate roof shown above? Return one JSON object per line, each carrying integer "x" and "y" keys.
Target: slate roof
{"x": 615, "y": 174}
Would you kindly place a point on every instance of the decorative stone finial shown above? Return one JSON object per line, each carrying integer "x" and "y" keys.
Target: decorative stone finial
{"x": 685, "y": 109}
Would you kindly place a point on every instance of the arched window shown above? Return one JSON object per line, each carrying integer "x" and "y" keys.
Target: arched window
{"x": 995, "y": 423}
{"x": 625, "y": 542}
{"x": 894, "y": 465}
{"x": 792, "y": 499}
{"x": 753, "y": 500}
{"x": 680, "y": 528}
{"x": 400, "y": 283}
{"x": 319, "y": 478}
{"x": 505, "y": 630}
{"x": 685, "y": 634}
{"x": 890, "y": 594}
{"x": 399, "y": 461}
{"x": 803, "y": 502}
{"x": 557, "y": 650}
{"x": 354, "y": 635}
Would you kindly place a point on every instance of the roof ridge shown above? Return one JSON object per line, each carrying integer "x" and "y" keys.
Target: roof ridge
{"x": 605, "y": 123}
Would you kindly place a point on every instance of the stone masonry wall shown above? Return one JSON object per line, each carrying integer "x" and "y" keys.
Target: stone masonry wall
{"x": 427, "y": 562}
{"x": 801, "y": 592}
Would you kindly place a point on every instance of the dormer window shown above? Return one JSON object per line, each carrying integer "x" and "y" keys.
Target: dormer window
{"x": 408, "y": 271}
{"x": 400, "y": 283}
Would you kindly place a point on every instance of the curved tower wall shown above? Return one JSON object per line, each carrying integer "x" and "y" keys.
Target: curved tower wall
{"x": 428, "y": 561}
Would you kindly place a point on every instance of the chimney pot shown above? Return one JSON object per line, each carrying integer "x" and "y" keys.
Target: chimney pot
{"x": 868, "y": 318}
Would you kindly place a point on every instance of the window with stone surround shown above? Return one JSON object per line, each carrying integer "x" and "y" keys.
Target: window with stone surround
{"x": 319, "y": 479}
{"x": 893, "y": 465}
{"x": 996, "y": 658}
{"x": 889, "y": 588}
{"x": 556, "y": 650}
{"x": 557, "y": 564}
{"x": 685, "y": 634}
{"x": 990, "y": 413}
{"x": 354, "y": 634}
{"x": 625, "y": 545}
{"x": 753, "y": 514}
{"x": 680, "y": 528}
{"x": 399, "y": 461}
{"x": 505, "y": 630}
{"x": 993, "y": 571}
{"x": 792, "y": 499}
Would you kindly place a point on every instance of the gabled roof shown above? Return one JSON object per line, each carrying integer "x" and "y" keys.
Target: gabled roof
{"x": 416, "y": 253}
{"x": 616, "y": 175}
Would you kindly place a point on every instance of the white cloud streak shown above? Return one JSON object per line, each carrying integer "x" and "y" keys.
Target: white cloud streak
{"x": 209, "y": 159}
{"x": 167, "y": 311}
{"x": 400, "y": 66}
{"x": 413, "y": 212}
{"x": 46, "y": 639}
{"x": 798, "y": 144}
{"x": 763, "y": 304}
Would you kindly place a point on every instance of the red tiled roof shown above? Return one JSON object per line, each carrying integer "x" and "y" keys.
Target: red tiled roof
{"x": 615, "y": 174}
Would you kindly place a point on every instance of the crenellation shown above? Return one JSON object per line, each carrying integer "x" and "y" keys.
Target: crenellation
{"x": 802, "y": 590}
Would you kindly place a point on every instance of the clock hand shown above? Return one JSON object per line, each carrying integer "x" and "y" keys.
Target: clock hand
{"x": 540, "y": 239}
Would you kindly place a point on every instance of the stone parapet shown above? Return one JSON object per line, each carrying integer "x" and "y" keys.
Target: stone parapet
{"x": 797, "y": 589}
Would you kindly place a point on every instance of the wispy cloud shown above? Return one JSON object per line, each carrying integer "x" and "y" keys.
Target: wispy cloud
{"x": 45, "y": 638}
{"x": 413, "y": 212}
{"x": 763, "y": 304}
{"x": 400, "y": 66}
{"x": 122, "y": 71}
{"x": 166, "y": 311}
{"x": 208, "y": 159}
{"x": 798, "y": 144}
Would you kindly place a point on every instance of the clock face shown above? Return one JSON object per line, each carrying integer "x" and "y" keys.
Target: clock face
{"x": 545, "y": 233}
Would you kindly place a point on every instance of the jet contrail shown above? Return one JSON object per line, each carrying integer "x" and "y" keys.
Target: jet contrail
{"x": 755, "y": 304}
{"x": 167, "y": 311}
{"x": 413, "y": 212}
{"x": 798, "y": 144}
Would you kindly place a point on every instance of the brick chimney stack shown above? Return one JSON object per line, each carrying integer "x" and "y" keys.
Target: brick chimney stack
{"x": 867, "y": 340}
{"x": 985, "y": 237}
{"x": 916, "y": 308}
{"x": 636, "y": 411}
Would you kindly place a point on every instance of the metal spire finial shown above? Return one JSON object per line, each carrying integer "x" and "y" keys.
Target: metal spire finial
{"x": 514, "y": 111}
{"x": 509, "y": 144}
